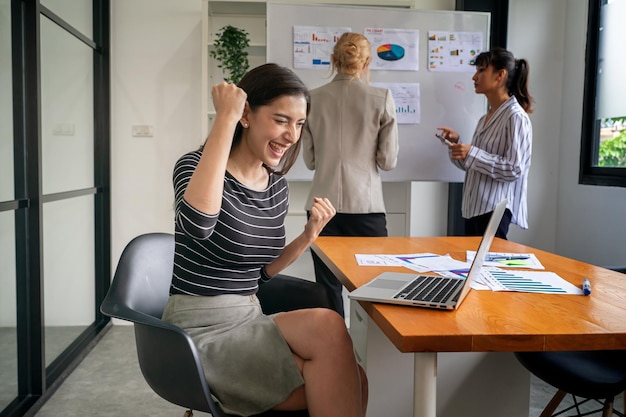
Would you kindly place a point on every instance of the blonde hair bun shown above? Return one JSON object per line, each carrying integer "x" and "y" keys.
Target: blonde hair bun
{"x": 351, "y": 53}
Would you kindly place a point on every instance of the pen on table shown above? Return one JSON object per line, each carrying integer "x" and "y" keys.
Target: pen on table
{"x": 506, "y": 258}
{"x": 586, "y": 286}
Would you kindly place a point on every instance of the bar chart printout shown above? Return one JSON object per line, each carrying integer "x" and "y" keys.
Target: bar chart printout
{"x": 406, "y": 96}
{"x": 528, "y": 281}
{"x": 313, "y": 45}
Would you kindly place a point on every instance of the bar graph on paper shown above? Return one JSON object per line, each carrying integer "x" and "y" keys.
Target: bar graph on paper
{"x": 527, "y": 281}
{"x": 406, "y": 96}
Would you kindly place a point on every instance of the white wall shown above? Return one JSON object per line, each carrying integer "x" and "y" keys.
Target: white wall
{"x": 577, "y": 221}
{"x": 156, "y": 64}
{"x": 542, "y": 47}
{"x": 155, "y": 80}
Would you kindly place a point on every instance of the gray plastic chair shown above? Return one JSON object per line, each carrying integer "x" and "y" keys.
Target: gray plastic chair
{"x": 167, "y": 356}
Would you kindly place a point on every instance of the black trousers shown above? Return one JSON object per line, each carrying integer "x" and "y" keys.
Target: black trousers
{"x": 366, "y": 225}
{"x": 476, "y": 226}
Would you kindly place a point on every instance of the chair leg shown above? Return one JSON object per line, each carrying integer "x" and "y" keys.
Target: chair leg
{"x": 607, "y": 410}
{"x": 188, "y": 413}
{"x": 553, "y": 404}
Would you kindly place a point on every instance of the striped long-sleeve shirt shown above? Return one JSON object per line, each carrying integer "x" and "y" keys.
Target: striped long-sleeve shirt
{"x": 223, "y": 253}
{"x": 498, "y": 163}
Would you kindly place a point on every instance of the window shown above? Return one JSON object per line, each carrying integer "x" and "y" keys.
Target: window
{"x": 603, "y": 142}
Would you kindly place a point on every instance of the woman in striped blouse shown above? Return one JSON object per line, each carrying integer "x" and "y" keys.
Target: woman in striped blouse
{"x": 497, "y": 161}
{"x": 231, "y": 203}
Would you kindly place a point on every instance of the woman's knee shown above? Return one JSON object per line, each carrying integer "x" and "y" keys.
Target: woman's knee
{"x": 328, "y": 319}
{"x": 328, "y": 327}
{"x": 336, "y": 330}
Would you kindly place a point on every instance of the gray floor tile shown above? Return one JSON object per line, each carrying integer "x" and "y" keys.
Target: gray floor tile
{"x": 108, "y": 383}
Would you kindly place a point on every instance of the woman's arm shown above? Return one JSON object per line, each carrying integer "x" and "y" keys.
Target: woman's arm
{"x": 321, "y": 213}
{"x": 308, "y": 147}
{"x": 507, "y": 155}
{"x": 205, "y": 188}
{"x": 387, "y": 148}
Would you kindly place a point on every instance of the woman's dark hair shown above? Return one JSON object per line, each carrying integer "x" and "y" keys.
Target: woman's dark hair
{"x": 517, "y": 70}
{"x": 265, "y": 84}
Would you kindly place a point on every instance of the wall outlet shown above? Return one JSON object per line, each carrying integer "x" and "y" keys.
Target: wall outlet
{"x": 143, "y": 131}
{"x": 63, "y": 129}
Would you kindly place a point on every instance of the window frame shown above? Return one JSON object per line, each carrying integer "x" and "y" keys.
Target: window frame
{"x": 590, "y": 173}
{"x": 37, "y": 381}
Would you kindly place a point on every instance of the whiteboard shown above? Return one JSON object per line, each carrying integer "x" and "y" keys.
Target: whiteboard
{"x": 446, "y": 98}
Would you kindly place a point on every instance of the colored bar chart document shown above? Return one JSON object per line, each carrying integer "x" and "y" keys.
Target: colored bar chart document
{"x": 406, "y": 96}
{"x": 528, "y": 281}
{"x": 453, "y": 51}
{"x": 313, "y": 45}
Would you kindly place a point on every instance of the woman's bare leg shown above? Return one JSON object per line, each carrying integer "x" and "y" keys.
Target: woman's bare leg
{"x": 334, "y": 384}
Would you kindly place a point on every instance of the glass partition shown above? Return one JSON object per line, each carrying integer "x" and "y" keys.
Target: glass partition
{"x": 6, "y": 104}
{"x": 8, "y": 320}
{"x": 8, "y": 312}
{"x": 67, "y": 128}
{"x": 77, "y": 13}
{"x": 69, "y": 264}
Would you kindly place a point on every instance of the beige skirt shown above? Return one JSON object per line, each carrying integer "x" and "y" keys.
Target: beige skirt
{"x": 247, "y": 362}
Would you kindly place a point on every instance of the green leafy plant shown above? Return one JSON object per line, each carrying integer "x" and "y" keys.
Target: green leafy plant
{"x": 230, "y": 51}
{"x": 612, "y": 152}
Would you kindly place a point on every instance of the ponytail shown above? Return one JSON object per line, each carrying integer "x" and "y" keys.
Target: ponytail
{"x": 518, "y": 85}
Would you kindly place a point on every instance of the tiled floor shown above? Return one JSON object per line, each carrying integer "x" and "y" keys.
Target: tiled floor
{"x": 108, "y": 383}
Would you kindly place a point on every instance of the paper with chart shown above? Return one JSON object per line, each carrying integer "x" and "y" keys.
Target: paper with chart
{"x": 406, "y": 97}
{"x": 313, "y": 45}
{"x": 508, "y": 260}
{"x": 527, "y": 281}
{"x": 394, "y": 49}
{"x": 419, "y": 262}
{"x": 453, "y": 51}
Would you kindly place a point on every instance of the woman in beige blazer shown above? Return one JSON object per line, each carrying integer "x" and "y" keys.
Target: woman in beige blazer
{"x": 350, "y": 133}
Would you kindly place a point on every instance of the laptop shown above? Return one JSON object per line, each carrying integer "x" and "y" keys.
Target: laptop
{"x": 431, "y": 291}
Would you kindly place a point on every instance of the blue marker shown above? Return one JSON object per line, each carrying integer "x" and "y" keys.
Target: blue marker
{"x": 586, "y": 286}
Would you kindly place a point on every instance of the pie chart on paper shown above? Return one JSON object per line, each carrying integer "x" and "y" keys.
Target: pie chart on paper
{"x": 390, "y": 52}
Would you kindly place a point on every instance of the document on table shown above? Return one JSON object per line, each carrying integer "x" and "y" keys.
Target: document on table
{"x": 419, "y": 262}
{"x": 491, "y": 278}
{"x": 508, "y": 260}
{"x": 527, "y": 281}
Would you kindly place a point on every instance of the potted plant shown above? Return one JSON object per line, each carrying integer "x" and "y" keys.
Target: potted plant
{"x": 230, "y": 51}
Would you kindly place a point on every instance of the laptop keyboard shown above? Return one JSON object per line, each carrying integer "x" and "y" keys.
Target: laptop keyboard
{"x": 429, "y": 289}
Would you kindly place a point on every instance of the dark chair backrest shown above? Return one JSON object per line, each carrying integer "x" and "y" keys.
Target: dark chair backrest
{"x": 143, "y": 275}
{"x": 167, "y": 356}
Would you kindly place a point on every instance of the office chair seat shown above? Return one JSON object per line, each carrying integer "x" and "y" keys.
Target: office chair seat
{"x": 168, "y": 358}
{"x": 592, "y": 375}
{"x": 587, "y": 374}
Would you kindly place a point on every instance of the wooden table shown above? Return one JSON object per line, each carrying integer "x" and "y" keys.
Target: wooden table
{"x": 487, "y": 321}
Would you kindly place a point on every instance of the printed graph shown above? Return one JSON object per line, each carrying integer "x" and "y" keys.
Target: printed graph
{"x": 528, "y": 281}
